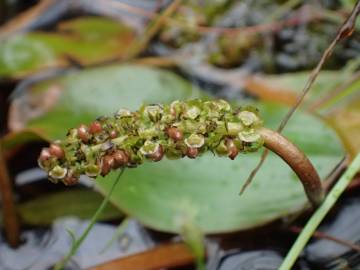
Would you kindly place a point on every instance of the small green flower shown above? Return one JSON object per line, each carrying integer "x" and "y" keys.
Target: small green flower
{"x": 153, "y": 112}
{"x": 195, "y": 140}
{"x": 249, "y": 136}
{"x": 223, "y": 105}
{"x": 192, "y": 112}
{"x": 58, "y": 172}
{"x": 121, "y": 113}
{"x": 222, "y": 149}
{"x": 177, "y": 108}
{"x": 149, "y": 148}
{"x": 248, "y": 118}
{"x": 92, "y": 170}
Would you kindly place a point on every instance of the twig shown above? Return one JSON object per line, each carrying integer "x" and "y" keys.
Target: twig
{"x": 322, "y": 235}
{"x": 345, "y": 31}
{"x": 11, "y": 222}
{"x": 151, "y": 31}
{"x": 78, "y": 242}
{"x": 320, "y": 213}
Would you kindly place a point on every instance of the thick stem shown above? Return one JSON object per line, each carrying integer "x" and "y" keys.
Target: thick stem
{"x": 297, "y": 160}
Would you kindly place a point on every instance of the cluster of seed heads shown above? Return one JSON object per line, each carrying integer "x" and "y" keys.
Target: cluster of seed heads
{"x": 181, "y": 129}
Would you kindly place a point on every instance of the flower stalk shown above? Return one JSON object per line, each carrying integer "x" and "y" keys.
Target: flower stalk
{"x": 176, "y": 130}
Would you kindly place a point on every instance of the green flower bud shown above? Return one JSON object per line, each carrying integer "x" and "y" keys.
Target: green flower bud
{"x": 211, "y": 110}
{"x": 153, "y": 112}
{"x": 195, "y": 141}
{"x": 92, "y": 170}
{"x": 234, "y": 128}
{"x": 177, "y": 108}
{"x": 223, "y": 105}
{"x": 222, "y": 149}
{"x": 148, "y": 133}
{"x": 249, "y": 136}
{"x": 149, "y": 148}
{"x": 58, "y": 172}
{"x": 192, "y": 112}
{"x": 248, "y": 118}
{"x": 122, "y": 113}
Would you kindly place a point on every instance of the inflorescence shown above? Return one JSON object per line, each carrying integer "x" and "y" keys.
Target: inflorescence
{"x": 129, "y": 138}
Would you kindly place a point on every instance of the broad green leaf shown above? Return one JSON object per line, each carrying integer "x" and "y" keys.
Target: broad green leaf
{"x": 81, "y": 203}
{"x": 87, "y": 40}
{"x": 206, "y": 188}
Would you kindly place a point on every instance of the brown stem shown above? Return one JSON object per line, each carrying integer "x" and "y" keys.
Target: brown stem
{"x": 297, "y": 160}
{"x": 11, "y": 222}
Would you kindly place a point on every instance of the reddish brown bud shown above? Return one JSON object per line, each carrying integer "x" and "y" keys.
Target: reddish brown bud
{"x": 232, "y": 149}
{"x": 56, "y": 151}
{"x": 107, "y": 164}
{"x": 44, "y": 159}
{"x": 175, "y": 134}
{"x": 95, "y": 127}
{"x": 158, "y": 155}
{"x": 83, "y": 133}
{"x": 70, "y": 179}
{"x": 44, "y": 155}
{"x": 192, "y": 152}
{"x": 120, "y": 158}
{"x": 113, "y": 134}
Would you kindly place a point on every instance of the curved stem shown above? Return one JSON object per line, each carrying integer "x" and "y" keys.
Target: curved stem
{"x": 297, "y": 160}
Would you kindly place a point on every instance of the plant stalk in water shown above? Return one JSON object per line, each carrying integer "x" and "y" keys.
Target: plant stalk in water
{"x": 320, "y": 213}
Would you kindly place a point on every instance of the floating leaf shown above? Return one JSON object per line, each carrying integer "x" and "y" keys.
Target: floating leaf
{"x": 81, "y": 203}
{"x": 86, "y": 40}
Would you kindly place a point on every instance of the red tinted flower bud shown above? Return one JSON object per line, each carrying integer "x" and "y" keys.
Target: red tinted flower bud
{"x": 120, "y": 158}
{"x": 175, "y": 134}
{"x": 44, "y": 154}
{"x": 232, "y": 149}
{"x": 70, "y": 179}
{"x": 56, "y": 151}
{"x": 113, "y": 134}
{"x": 44, "y": 159}
{"x": 192, "y": 152}
{"x": 83, "y": 133}
{"x": 107, "y": 164}
{"x": 95, "y": 127}
{"x": 158, "y": 154}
